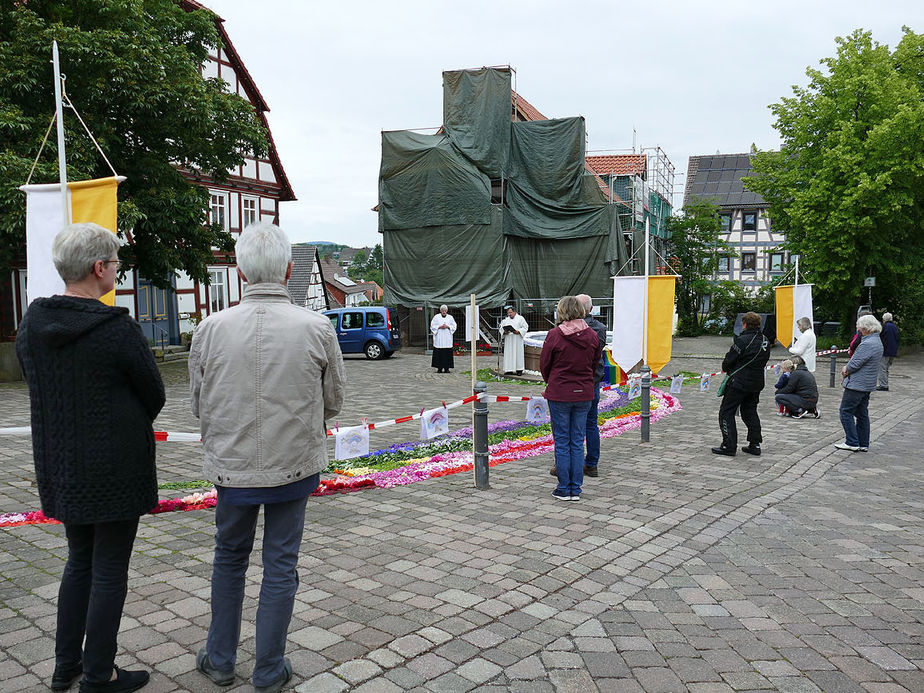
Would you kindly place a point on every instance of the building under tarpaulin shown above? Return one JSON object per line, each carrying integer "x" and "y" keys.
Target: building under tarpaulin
{"x": 494, "y": 207}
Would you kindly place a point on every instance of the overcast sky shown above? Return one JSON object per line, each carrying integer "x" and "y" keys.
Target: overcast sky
{"x": 690, "y": 77}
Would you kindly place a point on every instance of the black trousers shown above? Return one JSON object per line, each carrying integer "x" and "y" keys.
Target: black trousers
{"x": 733, "y": 400}
{"x": 792, "y": 401}
{"x": 442, "y": 358}
{"x": 92, "y": 595}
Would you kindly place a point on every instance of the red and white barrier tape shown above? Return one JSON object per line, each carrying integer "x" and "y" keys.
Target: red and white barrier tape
{"x": 184, "y": 437}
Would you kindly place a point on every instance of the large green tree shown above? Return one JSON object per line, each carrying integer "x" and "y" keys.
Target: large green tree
{"x": 847, "y": 185}
{"x": 695, "y": 248}
{"x": 132, "y": 72}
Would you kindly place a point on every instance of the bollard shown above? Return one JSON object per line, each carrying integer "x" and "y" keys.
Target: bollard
{"x": 480, "y": 438}
{"x": 646, "y": 403}
{"x": 833, "y": 366}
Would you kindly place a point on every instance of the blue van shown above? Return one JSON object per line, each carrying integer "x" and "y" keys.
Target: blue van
{"x": 369, "y": 330}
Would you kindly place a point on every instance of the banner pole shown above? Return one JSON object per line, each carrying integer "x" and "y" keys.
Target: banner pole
{"x": 59, "y": 117}
{"x": 472, "y": 338}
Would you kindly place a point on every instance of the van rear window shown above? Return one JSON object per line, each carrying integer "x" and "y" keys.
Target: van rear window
{"x": 375, "y": 320}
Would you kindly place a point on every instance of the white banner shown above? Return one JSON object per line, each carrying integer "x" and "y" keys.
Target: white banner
{"x": 351, "y": 442}
{"x": 434, "y": 422}
{"x": 628, "y": 321}
{"x": 537, "y": 411}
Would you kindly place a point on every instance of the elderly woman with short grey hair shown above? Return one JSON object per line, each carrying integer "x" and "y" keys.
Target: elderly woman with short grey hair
{"x": 94, "y": 389}
{"x": 860, "y": 374}
{"x": 804, "y": 346}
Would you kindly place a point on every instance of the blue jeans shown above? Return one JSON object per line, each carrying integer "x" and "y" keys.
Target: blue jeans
{"x": 592, "y": 432}
{"x": 855, "y": 417}
{"x": 234, "y": 537}
{"x": 569, "y": 420}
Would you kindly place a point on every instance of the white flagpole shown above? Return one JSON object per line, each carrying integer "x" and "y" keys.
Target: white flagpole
{"x": 59, "y": 118}
{"x": 797, "y": 271}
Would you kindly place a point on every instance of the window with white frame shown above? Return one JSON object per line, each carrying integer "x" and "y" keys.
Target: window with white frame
{"x": 723, "y": 264}
{"x": 217, "y": 291}
{"x": 248, "y": 211}
{"x": 218, "y": 209}
{"x": 776, "y": 262}
{"x": 748, "y": 262}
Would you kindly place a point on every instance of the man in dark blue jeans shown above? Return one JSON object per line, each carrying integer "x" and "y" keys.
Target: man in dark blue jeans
{"x": 592, "y": 430}
{"x": 264, "y": 376}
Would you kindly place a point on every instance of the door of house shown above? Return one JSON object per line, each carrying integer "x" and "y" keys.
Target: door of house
{"x": 157, "y": 313}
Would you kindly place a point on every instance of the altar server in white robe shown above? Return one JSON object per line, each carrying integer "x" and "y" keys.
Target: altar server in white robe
{"x": 514, "y": 328}
{"x": 442, "y": 327}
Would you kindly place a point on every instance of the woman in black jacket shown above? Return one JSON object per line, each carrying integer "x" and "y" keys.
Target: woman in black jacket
{"x": 94, "y": 390}
{"x": 744, "y": 363}
{"x": 799, "y": 396}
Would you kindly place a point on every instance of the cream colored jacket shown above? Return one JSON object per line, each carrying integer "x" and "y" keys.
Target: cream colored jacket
{"x": 264, "y": 377}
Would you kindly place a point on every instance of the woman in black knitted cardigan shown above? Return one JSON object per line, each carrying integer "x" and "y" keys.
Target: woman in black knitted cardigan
{"x": 95, "y": 390}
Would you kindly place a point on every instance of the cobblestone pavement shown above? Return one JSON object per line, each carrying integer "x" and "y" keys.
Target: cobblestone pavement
{"x": 801, "y": 570}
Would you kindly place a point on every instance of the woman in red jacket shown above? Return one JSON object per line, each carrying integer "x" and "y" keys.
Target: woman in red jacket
{"x": 569, "y": 357}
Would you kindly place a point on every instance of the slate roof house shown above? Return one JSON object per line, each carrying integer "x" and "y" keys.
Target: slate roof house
{"x": 306, "y": 285}
{"x": 757, "y": 256}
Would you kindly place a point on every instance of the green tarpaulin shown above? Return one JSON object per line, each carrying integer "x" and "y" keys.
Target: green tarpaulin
{"x": 549, "y": 234}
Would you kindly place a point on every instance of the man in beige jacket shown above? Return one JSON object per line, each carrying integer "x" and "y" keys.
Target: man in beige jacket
{"x": 264, "y": 375}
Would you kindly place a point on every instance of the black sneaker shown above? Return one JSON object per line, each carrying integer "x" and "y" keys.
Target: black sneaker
{"x": 591, "y": 471}
{"x": 722, "y": 450}
{"x": 802, "y": 413}
{"x": 816, "y": 413}
{"x": 204, "y": 665}
{"x": 124, "y": 682}
{"x": 280, "y": 682}
{"x": 752, "y": 449}
{"x": 63, "y": 678}
{"x": 553, "y": 471}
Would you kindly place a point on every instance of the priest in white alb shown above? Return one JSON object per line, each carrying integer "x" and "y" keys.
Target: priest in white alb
{"x": 442, "y": 327}
{"x": 513, "y": 328}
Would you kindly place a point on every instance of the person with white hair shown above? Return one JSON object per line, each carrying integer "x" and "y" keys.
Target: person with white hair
{"x": 95, "y": 391}
{"x": 264, "y": 376}
{"x": 889, "y": 337}
{"x": 804, "y": 346}
{"x": 860, "y": 374}
{"x": 442, "y": 327}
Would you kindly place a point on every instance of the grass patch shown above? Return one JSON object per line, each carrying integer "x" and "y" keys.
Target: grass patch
{"x": 182, "y": 485}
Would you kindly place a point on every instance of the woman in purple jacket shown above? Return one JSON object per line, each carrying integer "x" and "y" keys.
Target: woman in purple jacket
{"x": 569, "y": 357}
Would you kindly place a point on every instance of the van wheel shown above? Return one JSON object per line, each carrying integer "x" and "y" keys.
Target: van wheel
{"x": 374, "y": 351}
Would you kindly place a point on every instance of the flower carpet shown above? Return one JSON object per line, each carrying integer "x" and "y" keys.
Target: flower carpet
{"x": 407, "y": 463}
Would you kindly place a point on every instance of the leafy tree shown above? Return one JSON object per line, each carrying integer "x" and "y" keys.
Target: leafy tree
{"x": 730, "y": 298}
{"x": 132, "y": 70}
{"x": 695, "y": 247}
{"x": 368, "y": 269}
{"x": 847, "y": 185}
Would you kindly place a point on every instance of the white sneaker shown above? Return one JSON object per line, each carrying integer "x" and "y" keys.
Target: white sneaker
{"x": 844, "y": 446}
{"x": 862, "y": 449}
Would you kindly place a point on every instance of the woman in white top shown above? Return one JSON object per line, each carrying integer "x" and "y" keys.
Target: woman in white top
{"x": 442, "y": 327}
{"x": 804, "y": 345}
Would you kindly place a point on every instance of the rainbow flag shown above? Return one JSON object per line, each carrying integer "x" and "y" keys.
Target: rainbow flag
{"x": 89, "y": 200}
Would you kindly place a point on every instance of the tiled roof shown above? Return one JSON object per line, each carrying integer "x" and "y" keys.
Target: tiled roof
{"x": 303, "y": 257}
{"x": 525, "y": 109}
{"x": 717, "y": 178}
{"x": 618, "y": 164}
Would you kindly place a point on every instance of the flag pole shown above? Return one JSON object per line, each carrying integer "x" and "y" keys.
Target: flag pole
{"x": 59, "y": 118}
{"x": 645, "y": 313}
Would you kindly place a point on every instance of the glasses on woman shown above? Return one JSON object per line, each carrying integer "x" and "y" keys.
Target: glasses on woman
{"x": 117, "y": 263}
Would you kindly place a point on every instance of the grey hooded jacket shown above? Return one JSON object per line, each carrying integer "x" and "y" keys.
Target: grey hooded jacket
{"x": 863, "y": 366}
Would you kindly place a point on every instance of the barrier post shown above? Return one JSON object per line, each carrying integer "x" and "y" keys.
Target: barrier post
{"x": 480, "y": 438}
{"x": 646, "y": 403}
{"x": 833, "y": 366}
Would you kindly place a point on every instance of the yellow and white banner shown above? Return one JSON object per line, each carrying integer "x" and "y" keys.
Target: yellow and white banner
{"x": 792, "y": 303}
{"x": 89, "y": 201}
{"x": 629, "y": 319}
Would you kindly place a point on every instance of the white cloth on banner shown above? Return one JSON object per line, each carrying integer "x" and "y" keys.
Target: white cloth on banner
{"x": 628, "y": 321}
{"x": 801, "y": 305}
{"x": 537, "y": 410}
{"x": 434, "y": 422}
{"x": 468, "y": 323}
{"x": 44, "y": 219}
{"x": 704, "y": 383}
{"x": 442, "y": 337}
{"x": 676, "y": 384}
{"x": 351, "y": 442}
{"x": 514, "y": 359}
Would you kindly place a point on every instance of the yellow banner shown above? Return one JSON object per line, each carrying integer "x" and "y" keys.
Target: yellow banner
{"x": 784, "y": 314}
{"x": 96, "y": 201}
{"x": 660, "y": 320}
